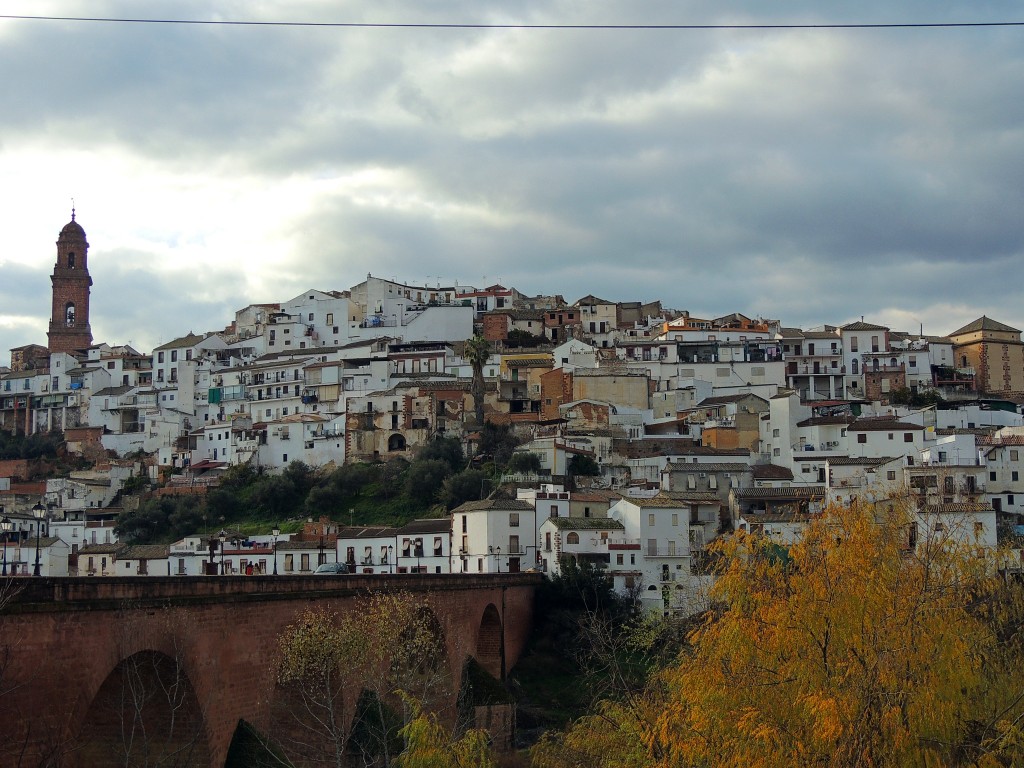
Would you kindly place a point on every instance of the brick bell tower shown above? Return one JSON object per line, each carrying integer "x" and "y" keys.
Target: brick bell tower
{"x": 69, "y": 319}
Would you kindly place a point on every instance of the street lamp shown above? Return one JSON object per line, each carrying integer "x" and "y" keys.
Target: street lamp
{"x": 276, "y": 532}
{"x": 391, "y": 554}
{"x": 223, "y": 536}
{"x": 496, "y": 553}
{"x": 7, "y": 526}
{"x": 39, "y": 511}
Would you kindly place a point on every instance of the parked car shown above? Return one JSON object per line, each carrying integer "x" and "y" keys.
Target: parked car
{"x": 331, "y": 568}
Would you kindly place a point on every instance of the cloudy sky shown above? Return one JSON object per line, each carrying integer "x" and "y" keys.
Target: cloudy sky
{"x": 810, "y": 175}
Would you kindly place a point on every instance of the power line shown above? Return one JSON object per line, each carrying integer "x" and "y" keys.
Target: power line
{"x": 443, "y": 25}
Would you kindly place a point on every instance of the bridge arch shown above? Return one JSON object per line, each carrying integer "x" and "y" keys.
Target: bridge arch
{"x": 490, "y": 642}
{"x": 146, "y": 711}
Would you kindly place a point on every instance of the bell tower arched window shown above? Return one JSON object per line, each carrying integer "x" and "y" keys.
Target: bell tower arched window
{"x": 71, "y": 260}
{"x": 69, "y": 314}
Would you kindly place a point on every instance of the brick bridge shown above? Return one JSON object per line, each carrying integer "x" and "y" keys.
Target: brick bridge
{"x": 62, "y": 640}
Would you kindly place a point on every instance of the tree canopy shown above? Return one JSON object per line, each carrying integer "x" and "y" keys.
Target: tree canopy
{"x": 853, "y": 651}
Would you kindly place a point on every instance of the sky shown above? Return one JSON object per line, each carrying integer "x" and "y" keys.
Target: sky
{"x": 807, "y": 175}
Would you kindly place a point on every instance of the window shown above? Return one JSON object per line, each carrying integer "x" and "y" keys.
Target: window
{"x": 853, "y": 344}
{"x": 304, "y": 562}
{"x": 862, "y": 437}
{"x": 289, "y": 562}
{"x": 618, "y": 559}
{"x": 675, "y": 518}
{"x": 908, "y": 437}
{"x": 513, "y": 519}
{"x": 159, "y": 357}
{"x": 890, "y": 435}
{"x": 174, "y": 355}
{"x": 572, "y": 538}
{"x": 438, "y": 548}
{"x": 1015, "y": 476}
{"x": 890, "y": 475}
{"x": 650, "y": 518}
{"x": 464, "y": 523}
{"x": 554, "y": 511}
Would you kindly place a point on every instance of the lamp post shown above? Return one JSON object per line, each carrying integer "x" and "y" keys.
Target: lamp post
{"x": 496, "y": 554}
{"x": 276, "y": 532}
{"x": 223, "y": 536}
{"x": 6, "y": 525}
{"x": 39, "y": 511}
{"x": 322, "y": 558}
{"x": 391, "y": 555}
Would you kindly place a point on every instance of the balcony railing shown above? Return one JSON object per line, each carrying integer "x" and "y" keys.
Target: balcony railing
{"x": 667, "y": 552}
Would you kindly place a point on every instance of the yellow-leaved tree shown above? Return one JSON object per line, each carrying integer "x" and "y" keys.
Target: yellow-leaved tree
{"x": 848, "y": 648}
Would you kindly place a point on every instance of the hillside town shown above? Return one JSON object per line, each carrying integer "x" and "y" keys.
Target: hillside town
{"x": 690, "y": 427}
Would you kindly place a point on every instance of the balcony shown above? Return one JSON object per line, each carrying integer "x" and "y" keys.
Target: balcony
{"x": 666, "y": 551}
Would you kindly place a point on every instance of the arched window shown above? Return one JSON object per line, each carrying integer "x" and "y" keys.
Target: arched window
{"x": 396, "y": 443}
{"x": 71, "y": 260}
{"x": 892, "y": 362}
{"x": 874, "y": 364}
{"x": 572, "y": 538}
{"x": 855, "y": 367}
{"x": 69, "y": 314}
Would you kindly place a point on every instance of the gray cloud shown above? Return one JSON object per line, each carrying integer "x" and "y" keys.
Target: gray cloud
{"x": 813, "y": 176}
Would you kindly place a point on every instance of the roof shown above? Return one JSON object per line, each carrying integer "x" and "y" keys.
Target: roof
{"x": 433, "y": 525}
{"x": 529, "y": 362}
{"x": 791, "y": 492}
{"x": 771, "y": 472}
{"x": 189, "y": 340}
{"x": 590, "y": 300}
{"x": 859, "y": 461}
{"x": 486, "y": 505}
{"x": 662, "y": 501}
{"x": 694, "y": 497}
{"x": 957, "y": 507}
{"x": 585, "y": 524}
{"x": 669, "y": 446}
{"x": 144, "y": 552}
{"x": 302, "y": 545}
{"x": 882, "y": 424}
{"x": 825, "y": 421}
{"x": 109, "y": 548}
{"x": 678, "y": 466}
{"x": 113, "y": 390}
{"x": 984, "y": 323}
{"x": 721, "y": 399}
{"x": 860, "y": 325}
{"x": 366, "y": 532}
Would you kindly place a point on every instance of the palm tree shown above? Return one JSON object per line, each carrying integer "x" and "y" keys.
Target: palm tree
{"x": 477, "y": 350}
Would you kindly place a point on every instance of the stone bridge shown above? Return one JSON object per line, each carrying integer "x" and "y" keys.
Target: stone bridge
{"x": 64, "y": 641}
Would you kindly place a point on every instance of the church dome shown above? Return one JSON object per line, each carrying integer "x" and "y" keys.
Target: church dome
{"x": 72, "y": 229}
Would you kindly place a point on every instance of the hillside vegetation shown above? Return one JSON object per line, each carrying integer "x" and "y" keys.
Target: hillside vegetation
{"x": 395, "y": 492}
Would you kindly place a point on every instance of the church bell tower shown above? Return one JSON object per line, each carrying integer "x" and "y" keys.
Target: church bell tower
{"x": 69, "y": 318}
